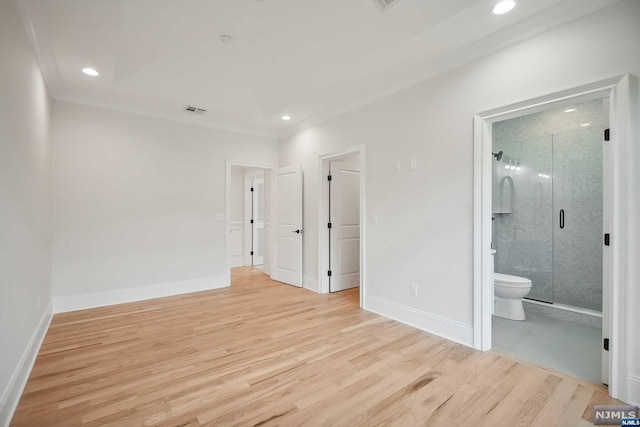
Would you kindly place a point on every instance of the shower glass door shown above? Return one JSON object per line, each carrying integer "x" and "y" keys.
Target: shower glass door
{"x": 523, "y": 210}
{"x": 577, "y": 206}
{"x": 548, "y": 202}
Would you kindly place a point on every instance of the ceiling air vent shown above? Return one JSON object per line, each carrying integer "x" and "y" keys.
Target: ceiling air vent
{"x": 385, "y": 4}
{"x": 195, "y": 110}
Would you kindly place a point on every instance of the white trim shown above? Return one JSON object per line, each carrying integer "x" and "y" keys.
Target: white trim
{"x": 266, "y": 267}
{"x": 563, "y": 307}
{"x": 623, "y": 247}
{"x": 634, "y": 390}
{"x": 624, "y": 241}
{"x": 323, "y": 168}
{"x": 121, "y": 296}
{"x": 310, "y": 283}
{"x": 431, "y": 323}
{"x": 11, "y": 395}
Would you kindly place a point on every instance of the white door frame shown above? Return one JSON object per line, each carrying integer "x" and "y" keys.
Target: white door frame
{"x": 623, "y": 249}
{"x": 227, "y": 208}
{"x": 323, "y": 217}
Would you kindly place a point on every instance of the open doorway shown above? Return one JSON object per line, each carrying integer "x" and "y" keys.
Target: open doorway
{"x": 248, "y": 217}
{"x": 341, "y": 231}
{"x": 614, "y": 242}
{"x": 550, "y": 191}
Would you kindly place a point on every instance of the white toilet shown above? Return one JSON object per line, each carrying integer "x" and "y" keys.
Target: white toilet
{"x": 509, "y": 291}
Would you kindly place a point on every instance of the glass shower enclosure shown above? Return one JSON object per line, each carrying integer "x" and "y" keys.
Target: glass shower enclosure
{"x": 548, "y": 203}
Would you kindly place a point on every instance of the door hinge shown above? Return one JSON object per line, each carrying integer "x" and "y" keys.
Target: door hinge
{"x": 329, "y": 273}
{"x": 251, "y": 221}
{"x": 251, "y": 188}
{"x": 605, "y": 344}
{"x": 329, "y": 225}
{"x": 329, "y": 178}
{"x": 607, "y": 239}
{"x": 251, "y": 253}
{"x": 606, "y": 135}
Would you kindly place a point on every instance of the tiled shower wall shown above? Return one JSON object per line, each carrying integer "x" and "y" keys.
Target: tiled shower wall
{"x": 559, "y": 167}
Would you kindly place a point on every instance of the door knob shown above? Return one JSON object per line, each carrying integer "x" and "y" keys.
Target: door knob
{"x": 297, "y": 231}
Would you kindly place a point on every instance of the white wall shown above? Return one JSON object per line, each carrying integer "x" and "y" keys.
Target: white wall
{"x": 424, "y": 233}
{"x": 139, "y": 202}
{"x": 236, "y": 196}
{"x": 25, "y": 211}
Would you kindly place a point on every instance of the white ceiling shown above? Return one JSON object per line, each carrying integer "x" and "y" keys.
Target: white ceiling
{"x": 310, "y": 59}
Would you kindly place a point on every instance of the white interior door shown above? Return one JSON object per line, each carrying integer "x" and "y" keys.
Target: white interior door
{"x": 257, "y": 217}
{"x": 344, "y": 234}
{"x": 287, "y": 257}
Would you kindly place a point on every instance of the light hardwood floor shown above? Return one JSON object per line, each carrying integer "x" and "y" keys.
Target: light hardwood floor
{"x": 264, "y": 353}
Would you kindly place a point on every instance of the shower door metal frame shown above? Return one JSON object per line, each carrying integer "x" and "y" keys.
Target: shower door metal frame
{"x": 618, "y": 260}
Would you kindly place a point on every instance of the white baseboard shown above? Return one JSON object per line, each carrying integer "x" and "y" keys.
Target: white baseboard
{"x": 121, "y": 296}
{"x": 11, "y": 395}
{"x": 634, "y": 390}
{"x": 311, "y": 283}
{"x": 436, "y": 325}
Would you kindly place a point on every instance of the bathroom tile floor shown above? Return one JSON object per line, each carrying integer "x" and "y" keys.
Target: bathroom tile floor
{"x": 556, "y": 344}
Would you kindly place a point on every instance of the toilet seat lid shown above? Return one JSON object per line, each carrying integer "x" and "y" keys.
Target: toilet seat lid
{"x": 511, "y": 280}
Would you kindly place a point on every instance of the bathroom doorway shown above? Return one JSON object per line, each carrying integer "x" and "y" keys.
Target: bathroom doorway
{"x": 547, "y": 231}
{"x": 619, "y": 250}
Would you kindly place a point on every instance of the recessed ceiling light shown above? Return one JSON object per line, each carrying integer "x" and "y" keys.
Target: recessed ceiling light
{"x": 569, "y": 110}
{"x": 584, "y": 125}
{"x": 285, "y": 117}
{"x": 90, "y": 72}
{"x": 504, "y": 7}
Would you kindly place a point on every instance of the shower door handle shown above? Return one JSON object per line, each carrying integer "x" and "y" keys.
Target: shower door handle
{"x": 561, "y": 218}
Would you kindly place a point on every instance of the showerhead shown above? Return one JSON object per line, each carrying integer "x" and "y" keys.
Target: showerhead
{"x": 497, "y": 155}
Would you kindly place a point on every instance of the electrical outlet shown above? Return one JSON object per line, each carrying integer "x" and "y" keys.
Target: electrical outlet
{"x": 413, "y": 290}
{"x": 173, "y": 269}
